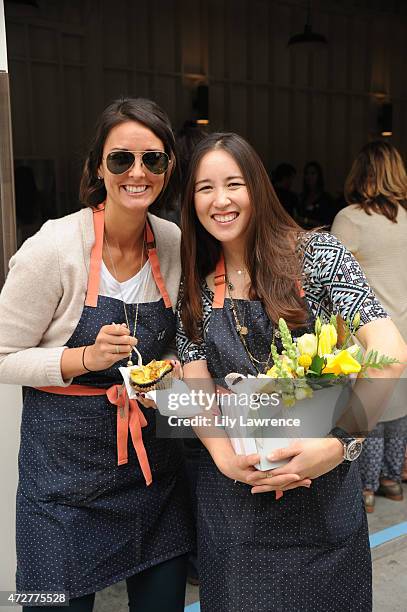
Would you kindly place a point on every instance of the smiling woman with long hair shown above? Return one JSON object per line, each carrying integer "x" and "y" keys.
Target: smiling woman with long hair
{"x": 100, "y": 499}
{"x": 245, "y": 264}
{"x": 374, "y": 228}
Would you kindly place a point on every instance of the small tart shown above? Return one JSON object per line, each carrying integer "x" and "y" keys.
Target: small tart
{"x": 147, "y": 377}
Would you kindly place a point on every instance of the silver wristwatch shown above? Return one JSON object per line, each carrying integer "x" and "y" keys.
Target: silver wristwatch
{"x": 351, "y": 447}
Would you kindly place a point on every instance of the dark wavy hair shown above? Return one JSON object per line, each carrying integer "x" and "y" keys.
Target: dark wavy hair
{"x": 377, "y": 181}
{"x": 271, "y": 257}
{"x": 92, "y": 190}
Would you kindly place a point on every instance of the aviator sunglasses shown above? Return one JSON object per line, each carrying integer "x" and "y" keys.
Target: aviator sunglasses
{"x": 119, "y": 162}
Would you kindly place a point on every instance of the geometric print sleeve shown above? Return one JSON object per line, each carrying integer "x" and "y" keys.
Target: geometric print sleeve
{"x": 190, "y": 351}
{"x": 335, "y": 283}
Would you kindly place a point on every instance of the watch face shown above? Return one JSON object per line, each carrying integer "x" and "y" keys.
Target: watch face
{"x": 353, "y": 450}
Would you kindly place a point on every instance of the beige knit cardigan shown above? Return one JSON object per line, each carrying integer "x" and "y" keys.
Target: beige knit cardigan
{"x": 44, "y": 294}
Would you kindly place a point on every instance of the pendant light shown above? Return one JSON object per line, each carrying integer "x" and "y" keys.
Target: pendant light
{"x": 308, "y": 37}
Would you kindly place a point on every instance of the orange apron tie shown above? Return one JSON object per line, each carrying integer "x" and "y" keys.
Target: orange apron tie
{"x": 129, "y": 416}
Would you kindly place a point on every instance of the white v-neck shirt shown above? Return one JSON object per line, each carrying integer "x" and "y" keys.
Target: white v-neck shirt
{"x": 131, "y": 290}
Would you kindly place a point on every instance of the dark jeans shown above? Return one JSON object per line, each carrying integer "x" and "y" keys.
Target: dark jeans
{"x": 161, "y": 587}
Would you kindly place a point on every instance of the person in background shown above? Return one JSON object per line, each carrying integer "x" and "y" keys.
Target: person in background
{"x": 316, "y": 207}
{"x": 374, "y": 228}
{"x": 282, "y": 179}
{"x": 186, "y": 140}
{"x": 100, "y": 498}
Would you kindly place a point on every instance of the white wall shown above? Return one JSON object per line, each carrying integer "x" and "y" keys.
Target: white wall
{"x": 3, "y": 50}
{"x": 10, "y": 414}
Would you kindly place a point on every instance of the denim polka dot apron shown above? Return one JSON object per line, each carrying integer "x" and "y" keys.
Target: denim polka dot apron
{"x": 83, "y": 521}
{"x": 307, "y": 551}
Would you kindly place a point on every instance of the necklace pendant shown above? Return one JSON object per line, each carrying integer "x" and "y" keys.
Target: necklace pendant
{"x": 231, "y": 287}
{"x": 130, "y": 363}
{"x": 243, "y": 330}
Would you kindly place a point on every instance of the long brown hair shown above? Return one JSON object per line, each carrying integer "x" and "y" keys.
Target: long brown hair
{"x": 92, "y": 189}
{"x": 377, "y": 181}
{"x": 271, "y": 257}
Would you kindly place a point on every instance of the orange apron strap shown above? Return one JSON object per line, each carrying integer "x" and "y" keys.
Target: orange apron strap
{"x": 220, "y": 283}
{"x": 73, "y": 390}
{"x": 155, "y": 264}
{"x": 95, "y": 258}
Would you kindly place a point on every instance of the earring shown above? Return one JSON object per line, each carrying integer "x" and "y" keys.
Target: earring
{"x": 100, "y": 178}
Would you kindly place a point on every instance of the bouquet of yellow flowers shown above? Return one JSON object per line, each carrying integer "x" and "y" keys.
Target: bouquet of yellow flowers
{"x": 318, "y": 360}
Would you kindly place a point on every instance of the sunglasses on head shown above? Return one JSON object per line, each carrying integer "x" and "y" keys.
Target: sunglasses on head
{"x": 118, "y": 162}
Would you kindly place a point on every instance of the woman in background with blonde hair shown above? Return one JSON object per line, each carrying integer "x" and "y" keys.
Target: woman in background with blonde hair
{"x": 374, "y": 228}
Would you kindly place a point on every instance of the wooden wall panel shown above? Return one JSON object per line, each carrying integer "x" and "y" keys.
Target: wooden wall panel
{"x": 299, "y": 132}
{"x": 78, "y": 55}
{"x": 357, "y": 125}
{"x": 20, "y": 103}
{"x": 164, "y": 92}
{"x": 338, "y": 162}
{"x": 139, "y": 36}
{"x": 259, "y": 122}
{"x": 47, "y": 120}
{"x": 358, "y": 55}
{"x": 236, "y": 17}
{"x": 217, "y": 38}
{"x": 164, "y": 36}
{"x": 260, "y": 41}
{"x": 43, "y": 43}
{"x": 236, "y": 118}
{"x": 115, "y": 42}
{"x": 115, "y": 84}
{"x": 339, "y": 56}
{"x": 280, "y": 32}
{"x": 318, "y": 142}
{"x": 217, "y": 107}
{"x": 281, "y": 118}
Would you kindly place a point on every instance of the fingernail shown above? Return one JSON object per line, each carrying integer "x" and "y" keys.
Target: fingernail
{"x": 271, "y": 456}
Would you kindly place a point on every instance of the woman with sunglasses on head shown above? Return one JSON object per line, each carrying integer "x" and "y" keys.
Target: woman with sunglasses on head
{"x": 243, "y": 258}
{"x": 100, "y": 498}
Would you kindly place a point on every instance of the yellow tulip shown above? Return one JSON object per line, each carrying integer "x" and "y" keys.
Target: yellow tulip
{"x": 327, "y": 339}
{"x": 307, "y": 344}
{"x": 272, "y": 372}
{"x": 305, "y": 360}
{"x": 342, "y": 363}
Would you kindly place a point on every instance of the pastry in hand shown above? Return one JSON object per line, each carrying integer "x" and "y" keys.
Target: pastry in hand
{"x": 154, "y": 375}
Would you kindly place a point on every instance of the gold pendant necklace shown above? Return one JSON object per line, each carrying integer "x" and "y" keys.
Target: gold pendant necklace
{"x": 243, "y": 331}
{"x": 129, "y": 362}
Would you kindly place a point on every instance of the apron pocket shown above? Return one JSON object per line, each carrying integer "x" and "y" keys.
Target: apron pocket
{"x": 332, "y": 510}
{"x": 74, "y": 459}
{"x": 225, "y": 509}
